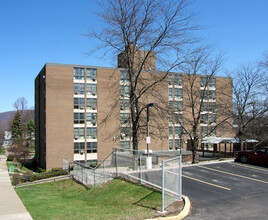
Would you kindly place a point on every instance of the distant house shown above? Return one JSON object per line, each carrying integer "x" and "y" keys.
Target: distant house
{"x": 7, "y": 139}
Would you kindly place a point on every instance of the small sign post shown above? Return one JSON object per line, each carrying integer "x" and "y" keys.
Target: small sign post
{"x": 148, "y": 140}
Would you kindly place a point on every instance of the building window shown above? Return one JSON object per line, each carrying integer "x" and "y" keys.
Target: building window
{"x": 170, "y": 131}
{"x": 92, "y": 147}
{"x": 170, "y": 118}
{"x": 170, "y": 79}
{"x": 91, "y": 74}
{"x": 170, "y": 105}
{"x": 92, "y": 118}
{"x": 178, "y": 143}
{"x": 178, "y": 93}
{"x": 212, "y": 94}
{"x": 178, "y": 131}
{"x": 124, "y": 76}
{"x": 212, "y": 83}
{"x": 212, "y": 130}
{"x": 124, "y": 104}
{"x": 91, "y": 133}
{"x": 79, "y": 148}
{"x": 79, "y": 73}
{"x": 79, "y": 133}
{"x": 92, "y": 89}
{"x": 178, "y": 118}
{"x": 79, "y": 103}
{"x": 212, "y": 107}
{"x": 92, "y": 103}
{"x": 170, "y": 93}
{"x": 124, "y": 118}
{"x": 124, "y": 90}
{"x": 125, "y": 132}
{"x": 177, "y": 106}
{"x": 207, "y": 82}
{"x": 203, "y": 94}
{"x": 125, "y": 145}
{"x": 170, "y": 144}
{"x": 203, "y": 81}
{"x": 79, "y": 88}
{"x": 177, "y": 79}
{"x": 212, "y": 118}
{"x": 79, "y": 118}
{"x": 204, "y": 131}
{"x": 204, "y": 107}
{"x": 204, "y": 119}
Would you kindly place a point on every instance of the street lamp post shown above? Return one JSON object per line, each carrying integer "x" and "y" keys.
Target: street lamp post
{"x": 148, "y": 140}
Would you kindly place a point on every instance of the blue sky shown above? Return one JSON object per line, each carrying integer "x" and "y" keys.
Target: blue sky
{"x": 35, "y": 32}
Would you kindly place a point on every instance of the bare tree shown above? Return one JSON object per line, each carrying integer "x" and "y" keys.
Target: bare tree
{"x": 250, "y": 101}
{"x": 200, "y": 70}
{"x": 20, "y": 152}
{"x": 20, "y": 104}
{"x": 257, "y": 129}
{"x": 139, "y": 29}
{"x": 264, "y": 64}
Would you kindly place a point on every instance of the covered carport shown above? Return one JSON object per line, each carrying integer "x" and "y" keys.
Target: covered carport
{"x": 226, "y": 147}
{"x": 219, "y": 146}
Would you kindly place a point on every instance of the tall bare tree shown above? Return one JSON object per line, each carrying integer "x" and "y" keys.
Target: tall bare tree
{"x": 250, "y": 101}
{"x": 20, "y": 104}
{"x": 19, "y": 152}
{"x": 199, "y": 84}
{"x": 264, "y": 64}
{"x": 153, "y": 26}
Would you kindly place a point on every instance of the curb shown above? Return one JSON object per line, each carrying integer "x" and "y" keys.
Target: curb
{"x": 209, "y": 162}
{"x": 186, "y": 211}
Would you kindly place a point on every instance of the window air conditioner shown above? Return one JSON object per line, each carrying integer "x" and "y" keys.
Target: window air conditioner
{"x": 81, "y": 107}
{"x": 76, "y": 137}
{"x": 94, "y": 79}
{"x": 94, "y": 137}
{"x": 76, "y": 92}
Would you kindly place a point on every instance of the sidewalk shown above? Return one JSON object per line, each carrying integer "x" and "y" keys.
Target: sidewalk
{"x": 11, "y": 207}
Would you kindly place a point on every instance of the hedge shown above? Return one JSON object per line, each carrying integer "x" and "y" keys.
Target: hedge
{"x": 27, "y": 177}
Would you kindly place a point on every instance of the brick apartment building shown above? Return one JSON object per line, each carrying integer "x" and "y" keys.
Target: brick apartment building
{"x": 82, "y": 112}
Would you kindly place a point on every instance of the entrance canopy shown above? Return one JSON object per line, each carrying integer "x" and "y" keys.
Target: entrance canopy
{"x": 218, "y": 140}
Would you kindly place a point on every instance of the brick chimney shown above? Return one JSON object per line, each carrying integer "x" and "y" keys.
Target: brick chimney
{"x": 138, "y": 59}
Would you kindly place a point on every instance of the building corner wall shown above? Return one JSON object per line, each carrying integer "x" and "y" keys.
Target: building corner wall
{"x": 59, "y": 115}
{"x": 40, "y": 145}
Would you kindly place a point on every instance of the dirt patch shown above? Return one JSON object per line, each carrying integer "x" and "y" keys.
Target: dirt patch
{"x": 172, "y": 210}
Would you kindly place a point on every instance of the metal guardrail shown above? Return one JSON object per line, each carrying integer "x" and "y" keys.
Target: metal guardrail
{"x": 132, "y": 165}
{"x": 51, "y": 179}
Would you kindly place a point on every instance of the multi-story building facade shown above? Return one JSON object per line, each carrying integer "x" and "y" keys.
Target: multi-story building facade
{"x": 82, "y": 112}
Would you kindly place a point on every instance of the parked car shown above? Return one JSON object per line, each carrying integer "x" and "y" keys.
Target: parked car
{"x": 258, "y": 156}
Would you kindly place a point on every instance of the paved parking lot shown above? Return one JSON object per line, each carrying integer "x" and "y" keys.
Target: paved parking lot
{"x": 227, "y": 191}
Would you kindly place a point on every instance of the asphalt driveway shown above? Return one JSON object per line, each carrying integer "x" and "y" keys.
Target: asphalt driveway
{"x": 226, "y": 191}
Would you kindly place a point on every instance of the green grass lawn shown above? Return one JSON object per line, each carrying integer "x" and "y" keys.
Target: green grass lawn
{"x": 66, "y": 199}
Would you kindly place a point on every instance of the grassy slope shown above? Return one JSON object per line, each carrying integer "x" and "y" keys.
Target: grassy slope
{"x": 68, "y": 200}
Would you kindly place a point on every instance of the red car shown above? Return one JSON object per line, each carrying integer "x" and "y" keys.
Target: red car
{"x": 258, "y": 156}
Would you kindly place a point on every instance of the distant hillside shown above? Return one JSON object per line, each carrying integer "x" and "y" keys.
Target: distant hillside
{"x": 6, "y": 117}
